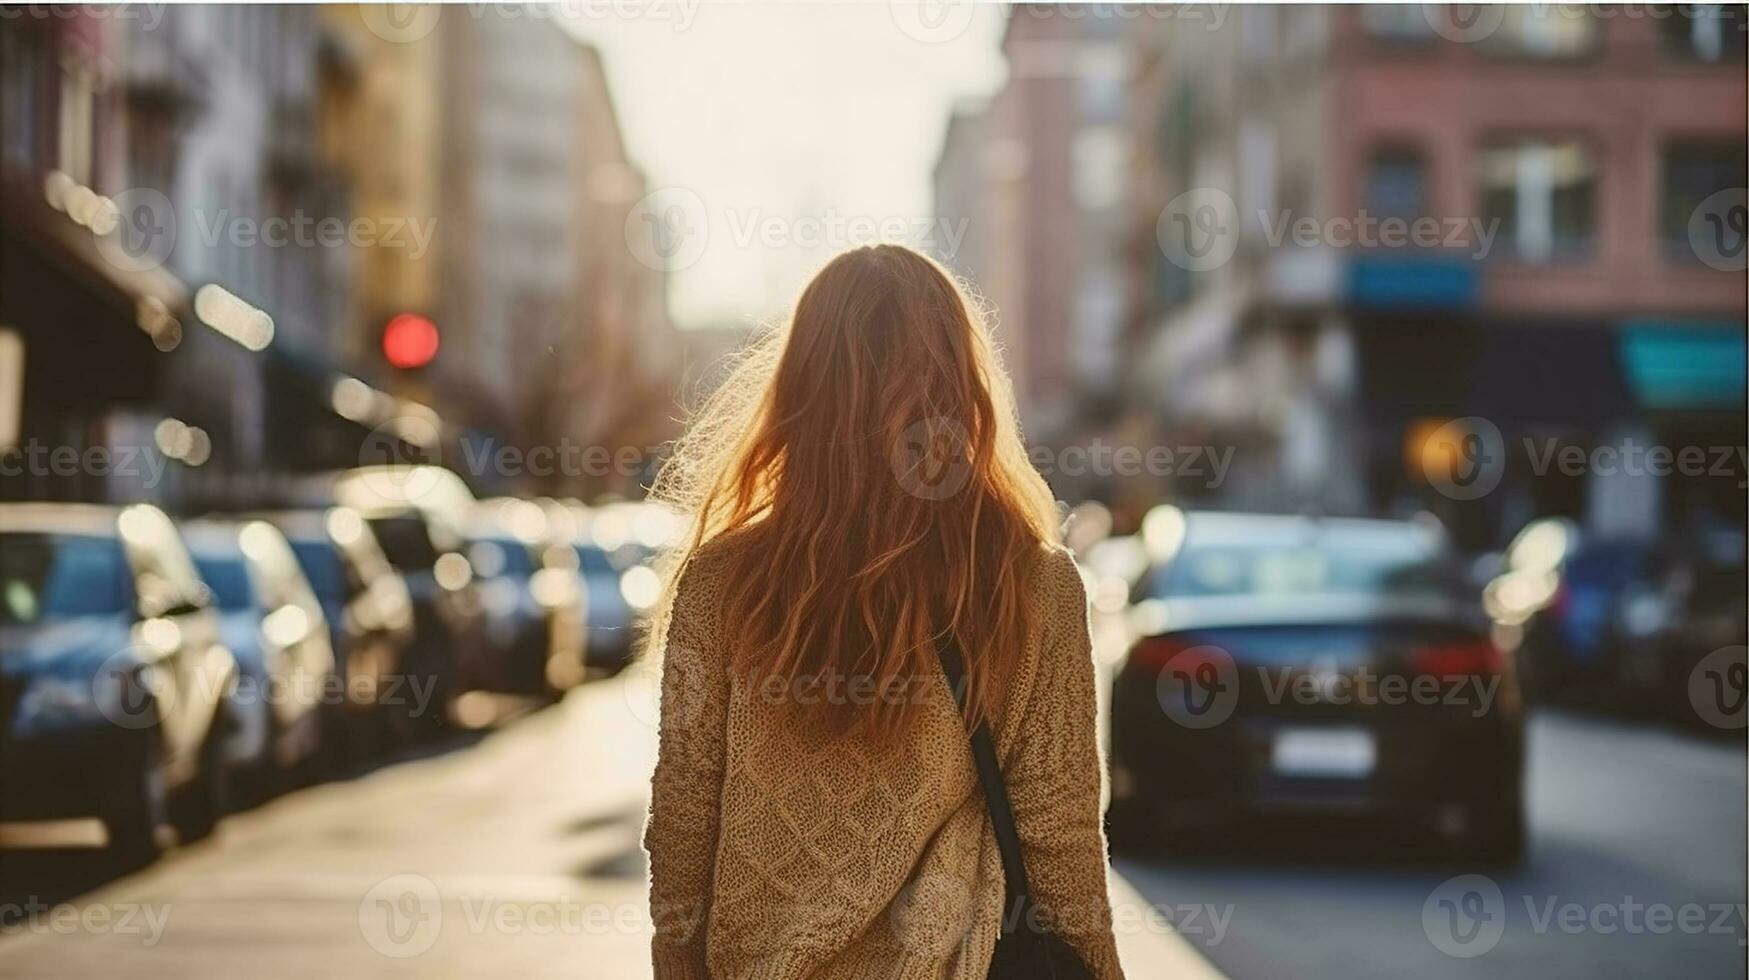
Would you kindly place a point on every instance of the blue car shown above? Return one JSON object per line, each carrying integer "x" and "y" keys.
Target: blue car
{"x": 271, "y": 621}
{"x": 370, "y": 621}
{"x": 613, "y": 622}
{"x": 532, "y": 599}
{"x": 1572, "y": 589}
{"x": 112, "y": 681}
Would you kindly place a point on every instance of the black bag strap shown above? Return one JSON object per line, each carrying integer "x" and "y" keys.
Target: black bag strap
{"x": 1019, "y": 894}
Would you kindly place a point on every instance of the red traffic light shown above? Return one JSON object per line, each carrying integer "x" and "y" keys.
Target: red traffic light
{"x": 410, "y": 340}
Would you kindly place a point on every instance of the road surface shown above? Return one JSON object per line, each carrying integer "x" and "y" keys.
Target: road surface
{"x": 1636, "y": 869}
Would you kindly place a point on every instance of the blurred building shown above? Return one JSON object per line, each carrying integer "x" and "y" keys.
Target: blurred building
{"x": 1554, "y": 158}
{"x": 85, "y": 331}
{"x": 382, "y": 122}
{"x": 303, "y": 175}
{"x": 225, "y": 104}
{"x": 1036, "y": 178}
{"x": 549, "y": 322}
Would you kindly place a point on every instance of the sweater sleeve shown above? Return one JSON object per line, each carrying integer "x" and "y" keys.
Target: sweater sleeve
{"x": 686, "y": 792}
{"x": 1055, "y": 777}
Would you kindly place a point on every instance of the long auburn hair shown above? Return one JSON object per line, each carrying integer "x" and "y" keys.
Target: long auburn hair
{"x": 862, "y": 475}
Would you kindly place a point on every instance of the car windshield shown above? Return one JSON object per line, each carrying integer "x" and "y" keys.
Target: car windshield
{"x": 406, "y": 542}
{"x": 54, "y": 576}
{"x": 1328, "y": 565}
{"x": 228, "y": 577}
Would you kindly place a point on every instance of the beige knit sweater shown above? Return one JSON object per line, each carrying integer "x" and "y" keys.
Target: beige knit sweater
{"x": 782, "y": 853}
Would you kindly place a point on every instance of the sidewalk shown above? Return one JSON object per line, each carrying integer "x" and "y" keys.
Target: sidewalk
{"x": 515, "y": 858}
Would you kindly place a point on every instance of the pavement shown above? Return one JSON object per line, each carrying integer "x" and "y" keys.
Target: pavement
{"x": 513, "y": 857}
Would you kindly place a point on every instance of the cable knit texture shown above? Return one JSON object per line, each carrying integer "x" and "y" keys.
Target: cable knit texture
{"x": 781, "y": 852}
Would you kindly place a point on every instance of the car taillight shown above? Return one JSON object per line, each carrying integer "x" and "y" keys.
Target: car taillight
{"x": 1155, "y": 652}
{"x": 1458, "y": 658}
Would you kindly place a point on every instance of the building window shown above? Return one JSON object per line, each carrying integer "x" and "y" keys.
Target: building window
{"x": 1543, "y": 31}
{"x": 1691, "y": 171}
{"x": 1396, "y": 182}
{"x": 1399, "y": 23}
{"x": 1539, "y": 197}
{"x": 1706, "y": 32}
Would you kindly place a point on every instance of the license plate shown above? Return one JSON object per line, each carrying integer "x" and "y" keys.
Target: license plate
{"x": 1329, "y": 752}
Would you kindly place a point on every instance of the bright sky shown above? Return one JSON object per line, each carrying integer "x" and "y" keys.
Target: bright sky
{"x": 792, "y": 129}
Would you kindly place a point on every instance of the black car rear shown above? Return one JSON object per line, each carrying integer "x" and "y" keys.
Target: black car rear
{"x": 1292, "y": 665}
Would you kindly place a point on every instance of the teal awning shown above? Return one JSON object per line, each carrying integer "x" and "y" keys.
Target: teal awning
{"x": 1685, "y": 364}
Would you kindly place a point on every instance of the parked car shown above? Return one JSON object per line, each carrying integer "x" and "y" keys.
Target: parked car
{"x": 417, "y": 514}
{"x": 532, "y": 596}
{"x": 1289, "y": 664}
{"x": 112, "y": 670}
{"x": 1673, "y": 660}
{"x": 617, "y": 544}
{"x": 1565, "y": 590}
{"x": 270, "y": 619}
{"x": 370, "y": 621}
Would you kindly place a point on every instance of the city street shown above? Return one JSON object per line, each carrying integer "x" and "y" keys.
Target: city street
{"x": 516, "y": 857}
{"x": 1624, "y": 820}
